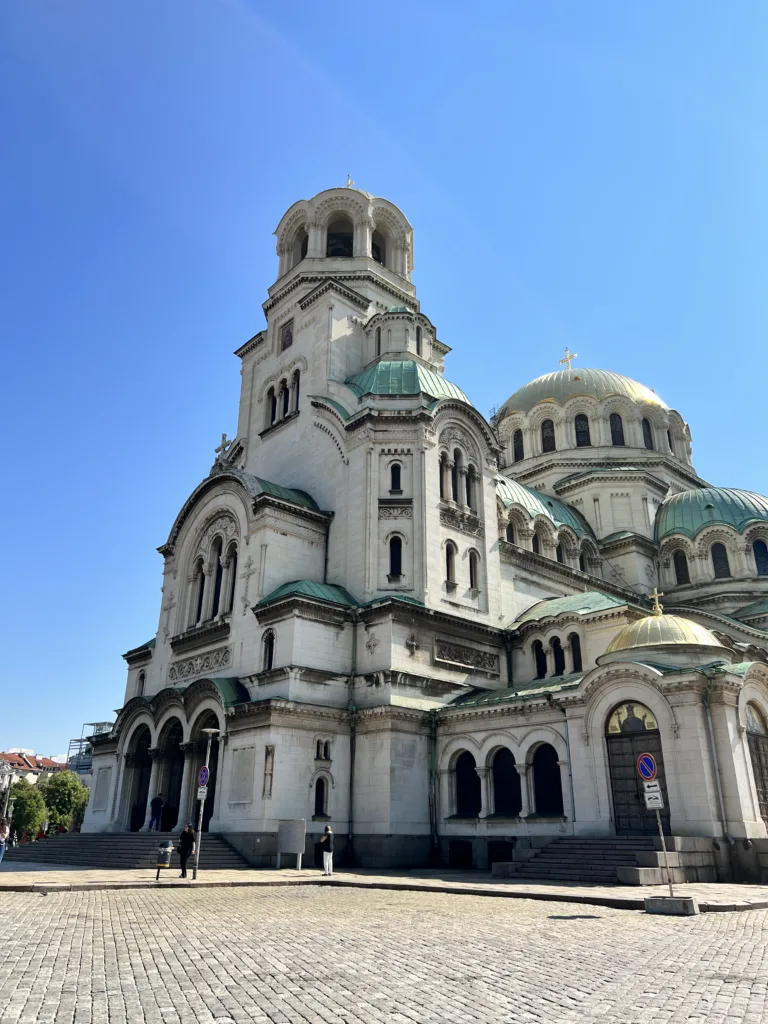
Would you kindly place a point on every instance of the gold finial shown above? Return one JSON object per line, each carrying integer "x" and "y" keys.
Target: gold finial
{"x": 350, "y": 183}
{"x": 568, "y": 357}
{"x": 658, "y": 609}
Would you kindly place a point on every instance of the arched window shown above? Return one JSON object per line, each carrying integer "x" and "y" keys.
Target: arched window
{"x": 467, "y": 787}
{"x": 760, "y": 551}
{"x": 575, "y": 642}
{"x": 443, "y": 476}
{"x": 474, "y": 573}
{"x": 378, "y": 342}
{"x": 395, "y": 558}
{"x": 582, "y": 562}
{"x": 418, "y": 341}
{"x": 558, "y": 655}
{"x": 510, "y": 533}
{"x": 327, "y": 750}
{"x": 300, "y": 246}
{"x": 669, "y": 442}
{"x": 471, "y": 481}
{"x": 757, "y": 738}
{"x": 268, "y": 651}
{"x": 720, "y": 561}
{"x": 455, "y": 472}
{"x": 548, "y": 436}
{"x": 296, "y": 389}
{"x": 559, "y": 553}
{"x": 319, "y": 751}
{"x": 140, "y": 684}
{"x": 617, "y": 430}
{"x": 581, "y": 423}
{"x": 340, "y": 237}
{"x": 321, "y": 797}
{"x": 680, "y": 563}
{"x": 200, "y": 584}
{"x": 379, "y": 247}
{"x": 232, "y": 556}
{"x": 285, "y": 395}
{"x": 647, "y": 434}
{"x": 539, "y": 659}
{"x": 518, "y": 448}
{"x": 271, "y": 407}
{"x": 536, "y": 544}
{"x": 507, "y": 797}
{"x": 547, "y": 782}
{"x": 450, "y": 562}
{"x": 395, "y": 483}
{"x": 218, "y": 569}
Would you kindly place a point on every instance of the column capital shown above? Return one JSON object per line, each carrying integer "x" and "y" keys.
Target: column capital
{"x": 188, "y": 748}
{"x": 522, "y": 768}
{"x": 482, "y": 770}
{"x": 156, "y": 752}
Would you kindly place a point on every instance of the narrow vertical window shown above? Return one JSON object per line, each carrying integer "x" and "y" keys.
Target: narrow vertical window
{"x": 518, "y": 448}
{"x": 583, "y": 439}
{"x": 669, "y": 442}
{"x": 647, "y": 434}
{"x": 395, "y": 558}
{"x": 218, "y": 569}
{"x": 320, "y": 802}
{"x": 617, "y": 430}
{"x": 548, "y": 436}
{"x": 418, "y": 341}
{"x": 200, "y": 581}
{"x": 510, "y": 534}
{"x": 141, "y": 684}
{"x": 760, "y": 551}
{"x": 271, "y": 407}
{"x": 232, "y": 576}
{"x": 268, "y": 653}
{"x": 539, "y": 660}
{"x": 720, "y": 562}
{"x": 575, "y": 643}
{"x": 319, "y": 751}
{"x": 394, "y": 478}
{"x": 559, "y": 657}
{"x": 682, "y": 575}
{"x": 471, "y": 480}
{"x": 285, "y": 392}
{"x": 327, "y": 750}
{"x": 473, "y": 573}
{"x": 536, "y": 544}
{"x": 450, "y": 563}
{"x": 296, "y": 390}
{"x": 582, "y": 562}
{"x": 559, "y": 554}
{"x": 378, "y": 342}
{"x": 443, "y": 475}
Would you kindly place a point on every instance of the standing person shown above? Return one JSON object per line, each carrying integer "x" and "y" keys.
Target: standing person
{"x": 4, "y": 832}
{"x": 186, "y": 848}
{"x": 328, "y": 851}
{"x": 156, "y": 807}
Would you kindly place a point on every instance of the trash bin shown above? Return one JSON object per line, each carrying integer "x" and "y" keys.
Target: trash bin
{"x": 164, "y": 851}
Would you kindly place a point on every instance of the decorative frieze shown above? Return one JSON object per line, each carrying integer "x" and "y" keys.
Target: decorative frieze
{"x": 449, "y": 653}
{"x": 396, "y": 510}
{"x": 212, "y": 661}
{"x": 464, "y": 521}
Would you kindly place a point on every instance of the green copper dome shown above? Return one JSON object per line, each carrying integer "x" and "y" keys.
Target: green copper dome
{"x": 403, "y": 377}
{"x": 691, "y": 511}
{"x": 559, "y": 387}
{"x": 535, "y": 503}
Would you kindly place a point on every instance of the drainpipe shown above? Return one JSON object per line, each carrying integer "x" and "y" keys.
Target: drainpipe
{"x": 715, "y": 762}
{"x": 434, "y": 853}
{"x": 352, "y": 745}
{"x": 559, "y": 707}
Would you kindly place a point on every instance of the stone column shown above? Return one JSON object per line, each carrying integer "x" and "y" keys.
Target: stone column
{"x": 447, "y": 793}
{"x": 226, "y": 583}
{"x": 156, "y": 754}
{"x": 449, "y": 493}
{"x": 463, "y": 473}
{"x": 187, "y": 782}
{"x": 565, "y": 785}
{"x": 315, "y": 246}
{"x": 486, "y": 791}
{"x": 207, "y": 594}
{"x": 445, "y": 478}
{"x": 361, "y": 245}
{"x": 522, "y": 771}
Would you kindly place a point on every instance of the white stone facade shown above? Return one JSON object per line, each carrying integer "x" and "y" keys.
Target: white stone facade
{"x": 374, "y": 581}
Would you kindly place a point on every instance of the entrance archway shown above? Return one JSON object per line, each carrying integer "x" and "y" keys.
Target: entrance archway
{"x": 169, "y": 742}
{"x": 137, "y": 778}
{"x": 757, "y": 737}
{"x": 632, "y": 730}
{"x": 207, "y": 720}
{"x": 547, "y": 782}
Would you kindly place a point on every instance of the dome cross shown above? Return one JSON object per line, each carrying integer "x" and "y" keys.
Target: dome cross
{"x": 658, "y": 609}
{"x": 568, "y": 357}
{"x": 223, "y": 448}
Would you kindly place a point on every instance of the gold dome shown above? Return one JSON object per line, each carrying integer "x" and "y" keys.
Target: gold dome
{"x": 662, "y": 630}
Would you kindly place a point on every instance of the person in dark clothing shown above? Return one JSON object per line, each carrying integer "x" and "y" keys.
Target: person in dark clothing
{"x": 186, "y": 848}
{"x": 328, "y": 851}
{"x": 156, "y": 807}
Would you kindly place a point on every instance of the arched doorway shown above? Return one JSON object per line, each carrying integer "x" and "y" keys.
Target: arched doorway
{"x": 632, "y": 730}
{"x": 139, "y": 768}
{"x": 507, "y": 798}
{"x": 169, "y": 743}
{"x": 467, "y": 787}
{"x": 207, "y": 720}
{"x": 547, "y": 782}
{"x": 757, "y": 737}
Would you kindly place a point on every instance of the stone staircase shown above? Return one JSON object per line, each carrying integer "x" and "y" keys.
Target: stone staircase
{"x": 120, "y": 850}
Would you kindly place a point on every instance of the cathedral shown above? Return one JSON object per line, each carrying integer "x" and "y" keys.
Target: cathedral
{"x": 439, "y": 632}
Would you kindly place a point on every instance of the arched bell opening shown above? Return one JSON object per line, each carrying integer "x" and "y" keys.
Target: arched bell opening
{"x": 632, "y": 730}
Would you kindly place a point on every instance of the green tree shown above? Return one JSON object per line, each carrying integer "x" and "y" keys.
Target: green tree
{"x": 29, "y": 810}
{"x": 66, "y": 798}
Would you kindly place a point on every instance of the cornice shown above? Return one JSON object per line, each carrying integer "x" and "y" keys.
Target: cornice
{"x": 301, "y": 606}
{"x": 612, "y": 475}
{"x": 200, "y": 636}
{"x": 404, "y": 297}
{"x": 569, "y": 466}
{"x": 561, "y": 621}
{"x": 579, "y": 581}
{"x": 140, "y": 654}
{"x": 623, "y": 543}
{"x": 251, "y": 344}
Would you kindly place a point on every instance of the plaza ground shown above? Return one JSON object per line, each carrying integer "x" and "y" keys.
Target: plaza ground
{"x": 369, "y": 956}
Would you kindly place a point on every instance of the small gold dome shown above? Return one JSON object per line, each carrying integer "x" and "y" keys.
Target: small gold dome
{"x": 662, "y": 630}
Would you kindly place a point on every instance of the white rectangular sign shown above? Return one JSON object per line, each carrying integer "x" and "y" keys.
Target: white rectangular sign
{"x": 202, "y": 792}
{"x": 654, "y": 800}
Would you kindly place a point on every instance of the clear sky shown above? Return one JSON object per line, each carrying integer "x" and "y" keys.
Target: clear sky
{"x": 585, "y": 173}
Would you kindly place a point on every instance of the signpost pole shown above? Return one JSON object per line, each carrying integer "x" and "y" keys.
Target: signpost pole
{"x": 211, "y": 733}
{"x": 666, "y": 857}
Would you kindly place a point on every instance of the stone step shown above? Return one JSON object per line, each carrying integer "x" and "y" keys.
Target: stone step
{"x": 121, "y": 850}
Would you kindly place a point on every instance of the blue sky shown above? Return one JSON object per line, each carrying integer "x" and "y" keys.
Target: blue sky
{"x": 588, "y": 174}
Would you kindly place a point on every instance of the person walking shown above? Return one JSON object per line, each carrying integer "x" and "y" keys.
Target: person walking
{"x": 5, "y": 828}
{"x": 328, "y": 851}
{"x": 186, "y": 848}
{"x": 156, "y": 807}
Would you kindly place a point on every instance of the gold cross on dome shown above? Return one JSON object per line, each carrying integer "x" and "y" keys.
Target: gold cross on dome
{"x": 568, "y": 357}
{"x": 657, "y": 608}
{"x": 223, "y": 447}
{"x": 350, "y": 183}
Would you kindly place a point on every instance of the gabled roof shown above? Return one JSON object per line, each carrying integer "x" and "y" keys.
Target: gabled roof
{"x": 329, "y": 593}
{"x": 535, "y": 503}
{"x": 577, "y": 604}
{"x": 403, "y": 377}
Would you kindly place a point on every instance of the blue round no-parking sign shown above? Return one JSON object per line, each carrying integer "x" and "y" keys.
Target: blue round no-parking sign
{"x": 646, "y": 767}
{"x": 203, "y": 776}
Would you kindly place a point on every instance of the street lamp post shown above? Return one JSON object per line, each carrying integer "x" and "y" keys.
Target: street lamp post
{"x": 210, "y": 733}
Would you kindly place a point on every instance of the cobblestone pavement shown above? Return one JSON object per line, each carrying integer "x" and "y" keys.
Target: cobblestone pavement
{"x": 307, "y": 954}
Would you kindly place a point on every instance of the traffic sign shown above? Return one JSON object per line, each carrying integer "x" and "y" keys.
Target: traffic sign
{"x": 646, "y": 767}
{"x": 654, "y": 798}
{"x": 202, "y": 792}
{"x": 203, "y": 775}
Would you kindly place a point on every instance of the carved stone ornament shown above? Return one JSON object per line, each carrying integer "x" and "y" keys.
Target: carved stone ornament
{"x": 372, "y": 643}
{"x": 460, "y": 437}
{"x": 396, "y": 511}
{"x": 223, "y": 524}
{"x": 413, "y": 645}
{"x": 466, "y": 657}
{"x": 463, "y": 521}
{"x": 181, "y": 671}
